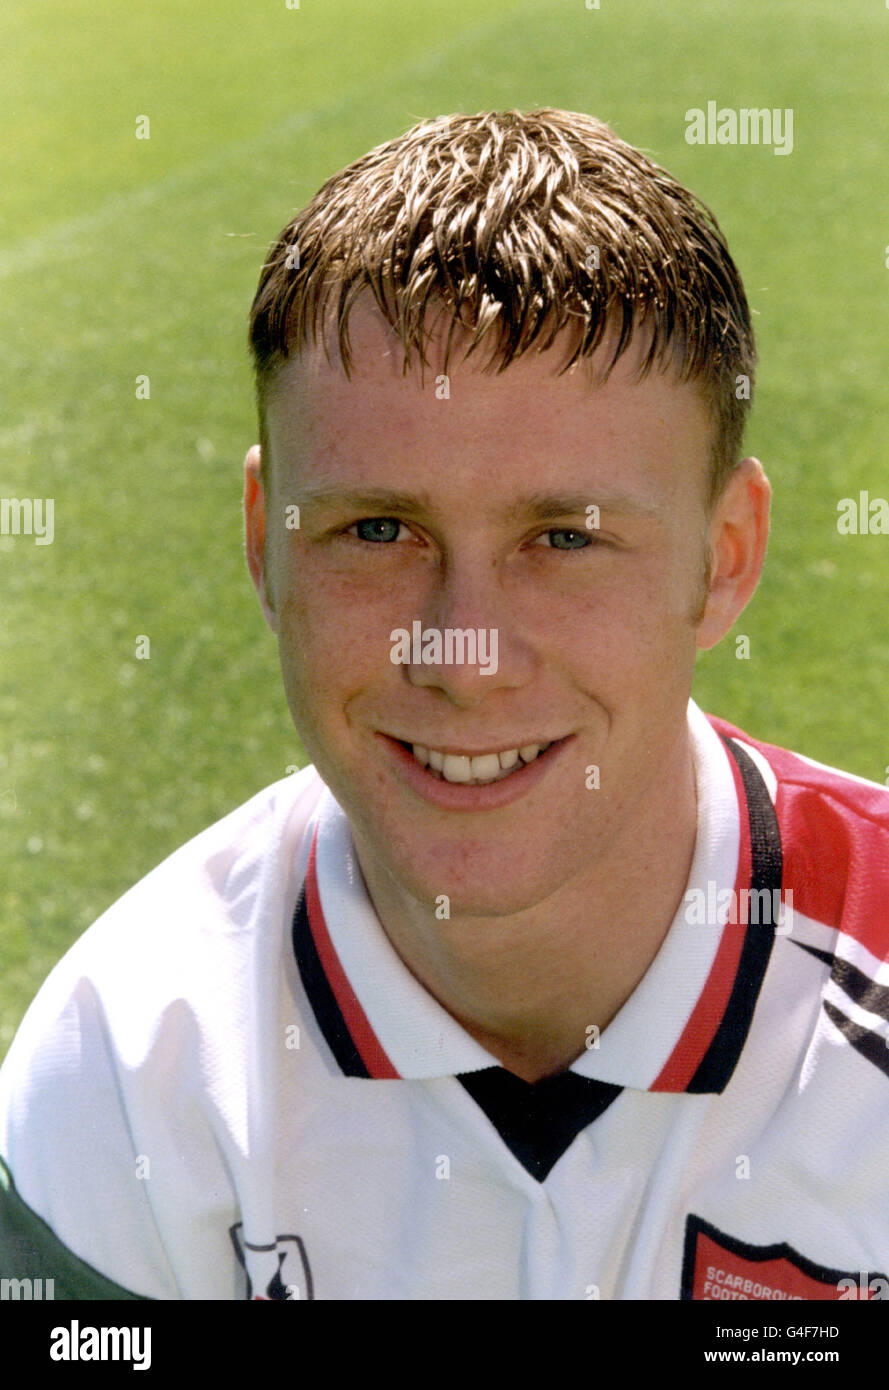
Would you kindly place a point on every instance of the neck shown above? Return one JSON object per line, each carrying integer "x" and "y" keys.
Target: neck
{"x": 529, "y": 986}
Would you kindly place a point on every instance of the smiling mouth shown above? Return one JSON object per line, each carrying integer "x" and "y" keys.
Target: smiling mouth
{"x": 478, "y": 769}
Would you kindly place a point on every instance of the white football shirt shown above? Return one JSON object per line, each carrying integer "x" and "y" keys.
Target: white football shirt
{"x": 231, "y": 1086}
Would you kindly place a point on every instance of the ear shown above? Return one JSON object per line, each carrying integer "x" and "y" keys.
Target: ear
{"x": 254, "y": 523}
{"x": 739, "y": 530}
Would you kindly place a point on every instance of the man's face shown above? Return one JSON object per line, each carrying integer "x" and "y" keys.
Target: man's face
{"x": 595, "y": 624}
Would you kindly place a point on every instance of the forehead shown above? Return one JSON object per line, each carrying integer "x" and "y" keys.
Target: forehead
{"x": 471, "y": 427}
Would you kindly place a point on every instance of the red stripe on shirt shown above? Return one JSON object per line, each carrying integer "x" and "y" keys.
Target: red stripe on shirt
{"x": 367, "y": 1044}
{"x": 706, "y": 1016}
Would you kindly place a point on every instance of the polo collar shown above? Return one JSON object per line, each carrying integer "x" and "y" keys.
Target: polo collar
{"x": 682, "y": 1028}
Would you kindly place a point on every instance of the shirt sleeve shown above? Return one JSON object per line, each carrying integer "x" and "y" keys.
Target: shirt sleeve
{"x": 35, "y": 1263}
{"x": 74, "y": 1207}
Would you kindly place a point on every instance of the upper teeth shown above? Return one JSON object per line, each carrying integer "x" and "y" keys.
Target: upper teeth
{"x": 484, "y": 767}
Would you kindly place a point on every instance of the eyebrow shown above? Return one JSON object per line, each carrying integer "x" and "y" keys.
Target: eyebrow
{"x": 536, "y": 506}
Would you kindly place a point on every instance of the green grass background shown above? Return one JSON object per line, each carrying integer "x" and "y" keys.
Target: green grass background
{"x": 120, "y": 257}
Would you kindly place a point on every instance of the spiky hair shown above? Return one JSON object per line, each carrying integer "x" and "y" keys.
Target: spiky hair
{"x": 519, "y": 226}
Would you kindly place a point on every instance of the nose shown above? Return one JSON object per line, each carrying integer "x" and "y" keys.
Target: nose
{"x": 465, "y": 642}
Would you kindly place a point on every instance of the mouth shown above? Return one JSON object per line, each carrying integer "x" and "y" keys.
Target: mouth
{"x": 476, "y": 769}
{"x": 473, "y": 779}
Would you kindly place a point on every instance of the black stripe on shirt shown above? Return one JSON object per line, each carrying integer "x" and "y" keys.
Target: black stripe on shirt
{"x": 721, "y": 1058}
{"x": 861, "y": 988}
{"x": 870, "y": 1044}
{"x": 321, "y": 997}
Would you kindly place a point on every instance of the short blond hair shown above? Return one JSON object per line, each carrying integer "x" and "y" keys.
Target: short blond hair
{"x": 520, "y": 225}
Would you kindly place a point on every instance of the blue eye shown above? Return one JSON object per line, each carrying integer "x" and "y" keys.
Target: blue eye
{"x": 377, "y": 528}
{"x": 567, "y": 539}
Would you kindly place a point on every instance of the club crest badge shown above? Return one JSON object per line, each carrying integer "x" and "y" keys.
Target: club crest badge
{"x": 719, "y": 1267}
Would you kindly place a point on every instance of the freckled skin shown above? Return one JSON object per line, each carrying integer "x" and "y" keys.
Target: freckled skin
{"x": 560, "y": 900}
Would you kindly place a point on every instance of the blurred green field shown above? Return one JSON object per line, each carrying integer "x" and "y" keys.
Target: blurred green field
{"x": 120, "y": 257}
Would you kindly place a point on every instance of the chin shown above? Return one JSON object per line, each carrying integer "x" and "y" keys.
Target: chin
{"x": 488, "y": 874}
{"x": 478, "y": 880}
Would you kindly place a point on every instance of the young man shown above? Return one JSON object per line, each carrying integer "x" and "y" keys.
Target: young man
{"x": 537, "y": 983}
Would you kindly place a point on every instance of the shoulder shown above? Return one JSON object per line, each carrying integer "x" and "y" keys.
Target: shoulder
{"x": 861, "y": 798}
{"x": 215, "y": 901}
{"x": 231, "y": 880}
{"x": 834, "y": 830}
{"x": 147, "y": 1029}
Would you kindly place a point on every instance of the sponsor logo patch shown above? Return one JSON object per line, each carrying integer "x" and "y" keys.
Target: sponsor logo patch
{"x": 721, "y": 1268}
{"x": 278, "y": 1271}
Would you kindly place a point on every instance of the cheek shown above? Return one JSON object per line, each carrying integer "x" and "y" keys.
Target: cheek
{"x": 671, "y": 594}
{"x": 633, "y": 615}
{"x": 334, "y": 631}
